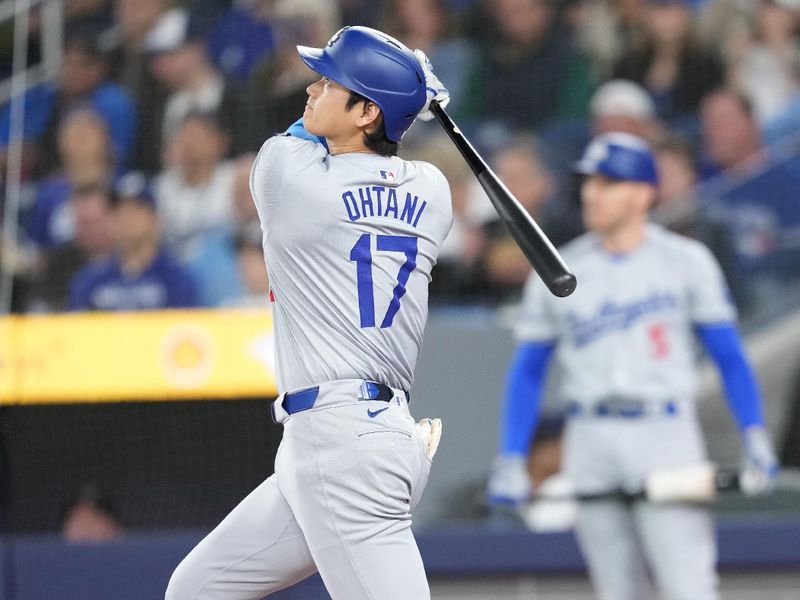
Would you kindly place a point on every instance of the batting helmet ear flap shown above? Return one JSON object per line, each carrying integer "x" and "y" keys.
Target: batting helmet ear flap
{"x": 376, "y": 66}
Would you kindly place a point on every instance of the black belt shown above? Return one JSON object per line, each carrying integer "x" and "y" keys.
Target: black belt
{"x": 301, "y": 400}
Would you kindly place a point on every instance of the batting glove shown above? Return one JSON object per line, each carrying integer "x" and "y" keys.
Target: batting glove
{"x": 509, "y": 483}
{"x": 430, "y": 432}
{"x": 760, "y": 466}
{"x": 434, "y": 88}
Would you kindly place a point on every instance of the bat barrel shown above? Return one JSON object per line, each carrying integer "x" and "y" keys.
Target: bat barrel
{"x": 529, "y": 237}
{"x": 534, "y": 243}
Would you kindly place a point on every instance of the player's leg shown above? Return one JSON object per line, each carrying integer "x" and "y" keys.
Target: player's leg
{"x": 357, "y": 479}
{"x": 605, "y": 530}
{"x": 678, "y": 540}
{"x": 680, "y": 545}
{"x": 257, "y": 549}
{"x": 607, "y": 538}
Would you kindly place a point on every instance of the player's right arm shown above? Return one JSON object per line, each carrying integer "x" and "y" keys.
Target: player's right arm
{"x": 509, "y": 483}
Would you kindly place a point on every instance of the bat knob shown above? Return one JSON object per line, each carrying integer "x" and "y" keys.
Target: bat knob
{"x": 563, "y": 285}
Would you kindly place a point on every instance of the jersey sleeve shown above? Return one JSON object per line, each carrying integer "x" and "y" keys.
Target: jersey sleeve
{"x": 278, "y": 156}
{"x": 536, "y": 322}
{"x": 441, "y": 191}
{"x": 709, "y": 297}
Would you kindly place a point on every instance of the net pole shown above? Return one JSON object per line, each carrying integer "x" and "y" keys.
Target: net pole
{"x": 14, "y": 165}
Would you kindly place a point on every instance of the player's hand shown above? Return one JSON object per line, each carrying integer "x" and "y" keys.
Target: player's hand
{"x": 509, "y": 483}
{"x": 760, "y": 466}
{"x": 430, "y": 432}
{"x": 434, "y": 88}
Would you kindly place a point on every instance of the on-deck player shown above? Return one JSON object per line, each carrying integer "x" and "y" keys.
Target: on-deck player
{"x": 351, "y": 233}
{"x": 623, "y": 342}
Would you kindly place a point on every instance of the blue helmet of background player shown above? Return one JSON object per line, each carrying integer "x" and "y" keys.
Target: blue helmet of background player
{"x": 619, "y": 156}
{"x": 378, "y": 67}
{"x": 134, "y": 187}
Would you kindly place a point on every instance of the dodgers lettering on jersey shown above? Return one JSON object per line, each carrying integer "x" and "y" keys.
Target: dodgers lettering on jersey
{"x": 613, "y": 316}
{"x": 627, "y": 329}
{"x": 350, "y": 241}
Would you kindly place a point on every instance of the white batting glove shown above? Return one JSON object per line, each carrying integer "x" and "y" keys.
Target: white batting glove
{"x": 430, "y": 432}
{"x": 759, "y": 466}
{"x": 434, "y": 88}
{"x": 509, "y": 483}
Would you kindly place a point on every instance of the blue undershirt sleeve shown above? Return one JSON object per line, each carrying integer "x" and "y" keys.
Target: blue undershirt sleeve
{"x": 524, "y": 382}
{"x": 724, "y": 344}
{"x": 298, "y": 130}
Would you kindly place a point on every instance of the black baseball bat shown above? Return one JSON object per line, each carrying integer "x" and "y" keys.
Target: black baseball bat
{"x": 536, "y": 246}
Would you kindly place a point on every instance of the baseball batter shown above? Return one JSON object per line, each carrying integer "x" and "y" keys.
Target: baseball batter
{"x": 623, "y": 342}
{"x": 351, "y": 233}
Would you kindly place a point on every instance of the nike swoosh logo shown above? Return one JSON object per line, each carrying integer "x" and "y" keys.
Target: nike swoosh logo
{"x": 374, "y": 413}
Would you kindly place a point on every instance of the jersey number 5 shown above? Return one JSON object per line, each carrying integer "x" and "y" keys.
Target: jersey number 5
{"x": 361, "y": 254}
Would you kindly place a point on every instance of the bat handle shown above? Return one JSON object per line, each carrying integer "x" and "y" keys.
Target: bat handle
{"x": 726, "y": 479}
{"x": 475, "y": 162}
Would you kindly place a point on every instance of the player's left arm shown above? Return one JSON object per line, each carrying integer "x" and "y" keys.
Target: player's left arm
{"x": 724, "y": 344}
{"x": 714, "y": 318}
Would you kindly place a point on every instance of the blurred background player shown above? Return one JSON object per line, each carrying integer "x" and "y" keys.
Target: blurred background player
{"x": 623, "y": 342}
{"x": 334, "y": 198}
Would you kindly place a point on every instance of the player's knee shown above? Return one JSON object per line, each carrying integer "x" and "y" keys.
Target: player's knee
{"x": 180, "y": 584}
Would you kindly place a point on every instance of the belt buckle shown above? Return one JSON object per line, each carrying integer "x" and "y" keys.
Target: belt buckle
{"x": 368, "y": 390}
{"x": 621, "y": 406}
{"x": 372, "y": 390}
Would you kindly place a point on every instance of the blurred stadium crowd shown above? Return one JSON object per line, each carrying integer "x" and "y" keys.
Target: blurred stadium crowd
{"x": 137, "y": 156}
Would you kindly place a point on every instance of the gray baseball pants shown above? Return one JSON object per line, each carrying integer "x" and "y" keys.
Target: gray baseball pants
{"x": 620, "y": 543}
{"x": 339, "y": 503}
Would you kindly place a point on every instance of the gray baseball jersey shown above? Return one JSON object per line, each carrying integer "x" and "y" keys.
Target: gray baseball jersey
{"x": 350, "y": 241}
{"x": 626, "y": 330}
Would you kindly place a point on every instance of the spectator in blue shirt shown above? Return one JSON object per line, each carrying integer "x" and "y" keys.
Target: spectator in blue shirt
{"x": 81, "y": 81}
{"x": 83, "y": 147}
{"x": 140, "y": 275}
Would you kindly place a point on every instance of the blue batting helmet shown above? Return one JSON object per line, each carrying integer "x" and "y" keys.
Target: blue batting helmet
{"x": 619, "y": 156}
{"x": 378, "y": 67}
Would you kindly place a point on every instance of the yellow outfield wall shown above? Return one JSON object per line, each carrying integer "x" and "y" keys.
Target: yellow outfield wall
{"x": 163, "y": 355}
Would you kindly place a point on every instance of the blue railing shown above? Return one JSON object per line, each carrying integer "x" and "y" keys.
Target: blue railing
{"x": 138, "y": 566}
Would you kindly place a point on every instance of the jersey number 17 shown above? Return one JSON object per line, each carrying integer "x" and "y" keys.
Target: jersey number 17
{"x": 361, "y": 254}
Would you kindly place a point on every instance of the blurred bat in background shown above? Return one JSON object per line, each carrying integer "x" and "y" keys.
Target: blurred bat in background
{"x": 694, "y": 484}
